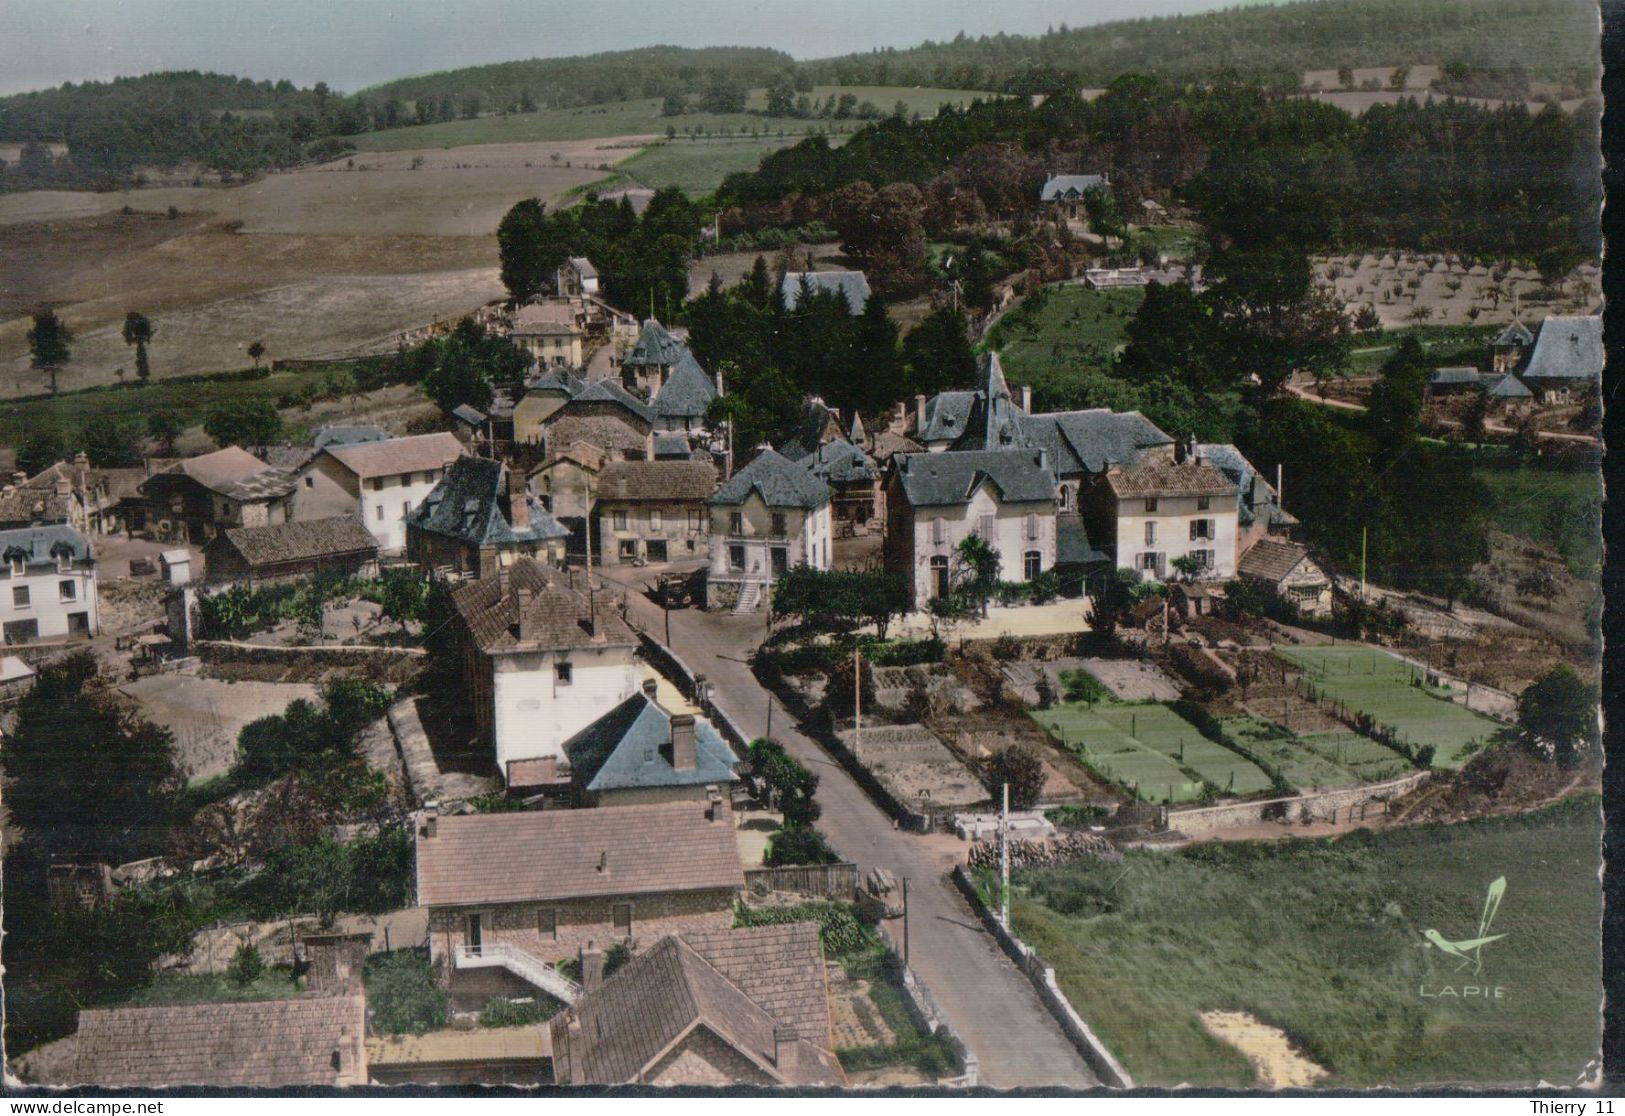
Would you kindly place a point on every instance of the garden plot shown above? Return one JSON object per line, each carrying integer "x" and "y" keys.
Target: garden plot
{"x": 206, "y": 714}
{"x": 1126, "y": 679}
{"x": 1303, "y": 766}
{"x": 894, "y": 685}
{"x": 915, "y": 767}
{"x": 1378, "y": 684}
{"x": 1365, "y": 758}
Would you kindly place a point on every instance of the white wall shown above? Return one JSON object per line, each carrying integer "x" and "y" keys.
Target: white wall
{"x": 1010, "y": 536}
{"x": 806, "y": 539}
{"x": 384, "y": 510}
{"x": 1173, "y": 519}
{"x": 45, "y": 605}
{"x": 535, "y": 715}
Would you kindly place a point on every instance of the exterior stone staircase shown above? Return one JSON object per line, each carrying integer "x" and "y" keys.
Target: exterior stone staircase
{"x": 750, "y": 596}
{"x": 525, "y": 966}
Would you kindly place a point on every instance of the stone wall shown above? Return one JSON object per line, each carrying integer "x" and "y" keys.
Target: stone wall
{"x": 1346, "y": 804}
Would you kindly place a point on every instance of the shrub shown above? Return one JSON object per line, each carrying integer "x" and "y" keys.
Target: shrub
{"x": 1006, "y": 648}
{"x": 402, "y": 995}
{"x": 1022, "y": 770}
{"x": 499, "y": 1011}
{"x": 1082, "y": 686}
{"x": 838, "y": 926}
{"x": 246, "y": 965}
{"x": 798, "y": 844}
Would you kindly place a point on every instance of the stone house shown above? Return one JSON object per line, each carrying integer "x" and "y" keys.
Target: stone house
{"x": 683, "y": 400}
{"x": 509, "y": 893}
{"x": 193, "y": 499}
{"x": 479, "y": 518}
{"x": 640, "y": 752}
{"x": 769, "y": 516}
{"x": 546, "y": 395}
{"x": 1066, "y": 193}
{"x": 47, "y": 584}
{"x": 605, "y": 415}
{"x": 652, "y": 359}
{"x": 566, "y": 483}
{"x": 653, "y": 511}
{"x": 1287, "y": 568}
{"x": 378, "y": 483}
{"x": 936, "y": 501}
{"x": 576, "y": 276}
{"x": 256, "y": 555}
{"x": 1148, "y": 516}
{"x": 540, "y": 661}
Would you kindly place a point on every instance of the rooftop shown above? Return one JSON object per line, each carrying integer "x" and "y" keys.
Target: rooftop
{"x": 1565, "y": 348}
{"x": 528, "y": 607}
{"x": 687, "y": 392}
{"x": 415, "y": 454}
{"x": 303, "y": 540}
{"x": 630, "y": 747}
{"x": 1185, "y": 479}
{"x": 665, "y": 481}
{"x": 1271, "y": 559}
{"x": 779, "y": 482}
{"x": 1070, "y": 186}
{"x": 41, "y": 545}
{"x": 473, "y": 503}
{"x": 935, "y": 479}
{"x": 780, "y": 967}
{"x": 655, "y": 346}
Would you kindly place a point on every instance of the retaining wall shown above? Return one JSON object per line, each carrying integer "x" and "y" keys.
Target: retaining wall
{"x": 1346, "y": 804}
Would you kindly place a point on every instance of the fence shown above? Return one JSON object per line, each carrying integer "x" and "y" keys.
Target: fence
{"x": 816, "y": 881}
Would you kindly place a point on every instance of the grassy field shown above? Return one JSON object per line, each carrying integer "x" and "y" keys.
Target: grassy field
{"x": 213, "y": 988}
{"x": 1150, "y": 748}
{"x": 1069, "y": 325}
{"x": 1377, "y": 683}
{"x": 924, "y": 101}
{"x": 1323, "y": 939}
{"x": 698, "y": 166}
{"x": 1438, "y": 341}
{"x": 1303, "y": 765}
{"x": 1364, "y": 758}
{"x": 1559, "y": 507}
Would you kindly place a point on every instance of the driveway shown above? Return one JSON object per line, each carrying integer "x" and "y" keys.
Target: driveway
{"x": 988, "y": 1001}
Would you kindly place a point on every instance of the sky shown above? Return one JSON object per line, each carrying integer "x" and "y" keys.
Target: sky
{"x": 351, "y": 44}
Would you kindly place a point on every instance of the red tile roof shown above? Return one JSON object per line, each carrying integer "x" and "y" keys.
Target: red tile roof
{"x": 496, "y": 610}
{"x": 420, "y": 453}
{"x": 779, "y": 967}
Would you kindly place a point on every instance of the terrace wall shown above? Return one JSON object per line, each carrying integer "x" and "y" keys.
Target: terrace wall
{"x": 1347, "y": 804}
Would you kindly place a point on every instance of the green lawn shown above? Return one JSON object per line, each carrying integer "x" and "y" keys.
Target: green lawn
{"x": 1303, "y": 765}
{"x": 1559, "y": 507}
{"x": 1323, "y": 939}
{"x": 1068, "y": 325}
{"x": 699, "y": 166}
{"x": 213, "y": 988}
{"x": 1364, "y": 758}
{"x": 1439, "y": 341}
{"x": 1377, "y": 683}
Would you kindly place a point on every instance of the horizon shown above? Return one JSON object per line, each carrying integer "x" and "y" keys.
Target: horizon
{"x": 306, "y": 41}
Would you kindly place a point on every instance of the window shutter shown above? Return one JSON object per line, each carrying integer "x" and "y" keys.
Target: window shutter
{"x": 1032, "y": 526}
{"x": 1196, "y": 529}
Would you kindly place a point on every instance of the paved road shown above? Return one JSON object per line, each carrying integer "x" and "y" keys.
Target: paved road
{"x": 988, "y": 1001}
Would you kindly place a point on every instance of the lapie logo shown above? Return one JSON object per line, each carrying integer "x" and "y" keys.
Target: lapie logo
{"x": 1469, "y": 952}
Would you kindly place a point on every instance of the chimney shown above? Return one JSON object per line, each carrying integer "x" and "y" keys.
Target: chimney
{"x": 518, "y": 501}
{"x": 430, "y": 824}
{"x": 716, "y": 808}
{"x": 683, "y": 746}
{"x": 527, "y": 616}
{"x": 592, "y": 967}
{"x": 650, "y": 688}
{"x": 919, "y": 414}
{"x": 787, "y": 1052}
{"x": 1027, "y": 398}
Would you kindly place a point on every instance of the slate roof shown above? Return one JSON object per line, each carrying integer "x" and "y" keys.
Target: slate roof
{"x": 607, "y": 391}
{"x": 840, "y": 462}
{"x": 630, "y": 747}
{"x": 935, "y": 479}
{"x": 1271, "y": 560}
{"x": 655, "y": 1000}
{"x": 584, "y": 267}
{"x": 947, "y": 416}
{"x": 574, "y": 854}
{"x": 1067, "y": 185}
{"x": 471, "y": 503}
{"x": 851, "y": 285}
{"x": 469, "y": 414}
{"x": 348, "y": 436}
{"x": 655, "y": 346}
{"x": 1072, "y": 545}
{"x": 561, "y": 380}
{"x": 781, "y": 968}
{"x": 672, "y": 447}
{"x": 780, "y": 482}
{"x": 419, "y": 453}
{"x": 260, "y": 1043}
{"x": 662, "y": 481}
{"x": 1507, "y": 386}
{"x": 300, "y": 541}
{"x": 1516, "y": 333}
{"x": 40, "y": 545}
{"x": 1186, "y": 479}
{"x": 495, "y": 610}
{"x": 817, "y": 423}
{"x": 1565, "y": 348}
{"x": 1239, "y": 471}
{"x": 1441, "y": 377}
{"x": 687, "y": 392}
{"x": 1091, "y": 441}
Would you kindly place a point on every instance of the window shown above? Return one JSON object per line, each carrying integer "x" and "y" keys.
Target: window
{"x": 1063, "y": 497}
{"x": 1149, "y": 561}
{"x": 736, "y": 524}
{"x": 1150, "y": 534}
{"x": 939, "y": 531}
{"x": 617, "y": 519}
{"x": 1202, "y": 558}
{"x": 736, "y": 558}
{"x": 628, "y": 549}
{"x": 1150, "y": 503}
{"x": 547, "y": 924}
{"x": 379, "y": 513}
{"x": 225, "y": 510}
{"x": 376, "y": 484}
{"x": 19, "y": 596}
{"x": 695, "y": 523}
{"x": 406, "y": 508}
{"x": 21, "y": 631}
{"x": 622, "y": 915}
{"x": 67, "y": 591}
{"x": 310, "y": 481}
{"x": 939, "y": 576}
{"x": 654, "y": 519}
{"x": 562, "y": 673}
{"x": 1203, "y": 502}
{"x": 1201, "y": 529}
{"x": 1032, "y": 564}
{"x": 984, "y": 527}
{"x": 17, "y": 567}
{"x": 779, "y": 529}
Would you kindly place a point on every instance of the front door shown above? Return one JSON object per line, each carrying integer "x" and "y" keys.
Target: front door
{"x": 781, "y": 561}
{"x": 476, "y": 929}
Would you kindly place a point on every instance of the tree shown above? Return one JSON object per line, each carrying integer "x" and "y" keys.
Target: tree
{"x": 1558, "y": 714}
{"x": 41, "y": 450}
{"x": 256, "y": 350}
{"x": 1173, "y": 334}
{"x": 1022, "y": 770}
{"x": 246, "y": 965}
{"x": 403, "y": 592}
{"x": 248, "y": 422}
{"x": 790, "y": 784}
{"x": 876, "y": 361}
{"x": 464, "y": 366}
{"x": 138, "y": 331}
{"x": 1110, "y": 598}
{"x": 403, "y": 996}
{"x": 164, "y": 427}
{"x": 937, "y": 353}
{"x": 50, "y": 343}
{"x": 977, "y": 570}
{"x": 1394, "y": 411}
{"x": 111, "y": 443}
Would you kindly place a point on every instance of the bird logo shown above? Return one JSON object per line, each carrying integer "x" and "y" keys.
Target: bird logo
{"x": 1469, "y": 951}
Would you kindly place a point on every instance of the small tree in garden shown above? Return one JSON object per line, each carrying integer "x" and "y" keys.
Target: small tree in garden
{"x": 798, "y": 844}
{"x": 978, "y": 572}
{"x": 246, "y": 965}
{"x": 256, "y": 350}
{"x": 1022, "y": 770}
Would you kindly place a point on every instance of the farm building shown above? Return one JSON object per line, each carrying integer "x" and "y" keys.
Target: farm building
{"x": 1566, "y": 357}
{"x": 1287, "y": 568}
{"x": 653, "y": 511}
{"x": 340, "y": 545}
{"x": 194, "y": 499}
{"x": 606, "y": 415}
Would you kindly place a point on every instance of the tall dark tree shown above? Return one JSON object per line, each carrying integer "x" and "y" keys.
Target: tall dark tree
{"x": 1172, "y": 334}
{"x": 937, "y": 353}
{"x": 111, "y": 443}
{"x": 1559, "y": 712}
{"x": 1394, "y": 412}
{"x": 50, "y": 341}
{"x": 246, "y": 423}
{"x": 877, "y": 364}
{"x": 138, "y": 331}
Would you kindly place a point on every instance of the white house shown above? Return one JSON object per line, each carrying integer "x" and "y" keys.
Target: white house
{"x": 771, "y": 515}
{"x": 378, "y": 482}
{"x": 1155, "y": 514}
{"x": 937, "y": 500}
{"x": 50, "y": 584}
{"x": 577, "y": 276}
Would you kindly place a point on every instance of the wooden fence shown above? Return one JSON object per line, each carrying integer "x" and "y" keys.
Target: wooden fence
{"x": 816, "y": 881}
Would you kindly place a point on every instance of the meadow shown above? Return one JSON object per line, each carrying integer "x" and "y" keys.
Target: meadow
{"x": 697, "y": 166}
{"x": 1067, "y": 325}
{"x": 1379, "y": 684}
{"x": 1324, "y": 939}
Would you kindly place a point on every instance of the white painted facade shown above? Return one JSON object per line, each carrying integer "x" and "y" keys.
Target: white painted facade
{"x": 751, "y": 541}
{"x": 1022, "y": 533}
{"x": 537, "y": 708}
{"x": 327, "y": 488}
{"x": 48, "y": 600}
{"x": 1153, "y": 531}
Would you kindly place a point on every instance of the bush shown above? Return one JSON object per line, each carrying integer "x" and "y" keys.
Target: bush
{"x": 403, "y": 997}
{"x": 798, "y": 844}
{"x": 838, "y": 926}
{"x": 246, "y": 965}
{"x": 1076, "y": 817}
{"x": 499, "y": 1011}
{"x": 1082, "y": 686}
{"x": 1020, "y": 768}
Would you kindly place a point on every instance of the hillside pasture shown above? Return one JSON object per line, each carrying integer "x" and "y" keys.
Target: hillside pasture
{"x": 698, "y": 166}
{"x": 925, "y": 101}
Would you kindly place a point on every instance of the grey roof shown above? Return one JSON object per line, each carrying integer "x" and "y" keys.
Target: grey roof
{"x": 655, "y": 346}
{"x": 560, "y": 380}
{"x": 610, "y": 391}
{"x": 839, "y": 462}
{"x": 471, "y": 503}
{"x": 672, "y": 447}
{"x": 817, "y": 423}
{"x": 348, "y": 435}
{"x": 40, "y": 546}
{"x": 780, "y": 482}
{"x": 947, "y": 416}
{"x": 1091, "y": 441}
{"x": 584, "y": 267}
{"x": 935, "y": 479}
{"x": 1255, "y": 496}
{"x": 687, "y": 392}
{"x": 1440, "y": 377}
{"x": 1070, "y": 185}
{"x": 851, "y": 285}
{"x": 469, "y": 414}
{"x": 630, "y": 747}
{"x": 1072, "y": 545}
{"x": 1506, "y": 387}
{"x": 301, "y": 541}
{"x": 1565, "y": 348}
{"x": 1516, "y": 333}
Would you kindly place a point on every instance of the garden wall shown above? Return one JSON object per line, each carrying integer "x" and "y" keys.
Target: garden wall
{"x": 1346, "y": 804}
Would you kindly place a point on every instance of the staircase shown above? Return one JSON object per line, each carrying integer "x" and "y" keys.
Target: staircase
{"x": 525, "y": 966}
{"x": 750, "y": 595}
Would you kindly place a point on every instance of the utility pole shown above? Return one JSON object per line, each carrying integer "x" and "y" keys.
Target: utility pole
{"x": 1004, "y": 858}
{"x": 905, "y": 921}
{"x": 770, "y": 716}
{"x": 857, "y": 700}
{"x": 1362, "y": 565}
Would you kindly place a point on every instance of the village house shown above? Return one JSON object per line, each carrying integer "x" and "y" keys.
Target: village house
{"x": 49, "y": 593}
{"x": 769, "y": 516}
{"x": 1286, "y": 568}
{"x": 479, "y": 518}
{"x": 565, "y": 483}
{"x": 652, "y": 359}
{"x": 853, "y": 286}
{"x": 1150, "y": 516}
{"x": 732, "y": 1007}
{"x": 379, "y": 483}
{"x": 1259, "y": 514}
{"x": 30, "y": 502}
{"x": 576, "y": 276}
{"x": 936, "y": 501}
{"x": 555, "y": 388}
{"x": 606, "y": 415}
{"x": 684, "y": 399}
{"x": 857, "y": 498}
{"x": 653, "y": 511}
{"x": 1066, "y": 193}
{"x": 1509, "y": 346}
{"x": 193, "y": 499}
{"x": 549, "y": 333}
{"x": 640, "y": 752}
{"x": 511, "y": 894}
{"x": 96, "y": 501}
{"x": 540, "y": 661}
{"x": 1565, "y": 359}
{"x": 256, "y": 555}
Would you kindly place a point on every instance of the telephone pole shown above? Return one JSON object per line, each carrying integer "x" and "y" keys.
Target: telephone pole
{"x": 1004, "y": 857}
